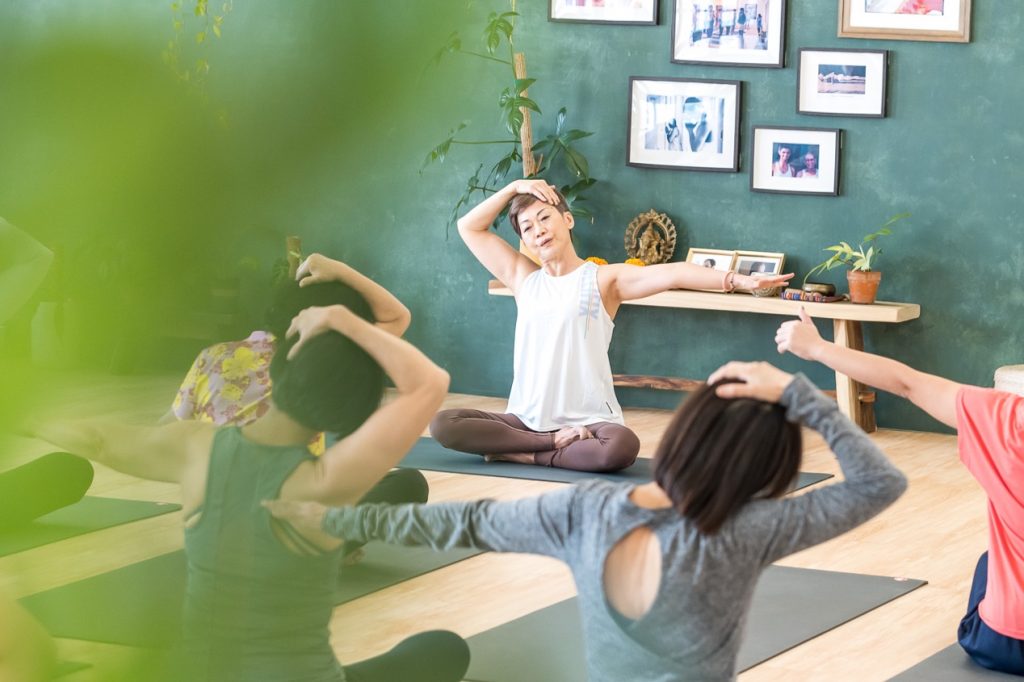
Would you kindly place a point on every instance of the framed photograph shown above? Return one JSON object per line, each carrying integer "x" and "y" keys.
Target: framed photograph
{"x": 716, "y": 259}
{"x": 758, "y": 262}
{"x": 733, "y": 32}
{"x": 604, "y": 11}
{"x": 684, "y": 124}
{"x": 795, "y": 160}
{"x": 841, "y": 82}
{"x": 935, "y": 20}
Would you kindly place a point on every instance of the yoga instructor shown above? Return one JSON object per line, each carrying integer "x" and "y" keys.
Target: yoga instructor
{"x": 562, "y": 410}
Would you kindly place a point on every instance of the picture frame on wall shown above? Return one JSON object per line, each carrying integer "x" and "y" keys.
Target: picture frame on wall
{"x": 932, "y": 20}
{"x": 836, "y": 82}
{"x": 729, "y": 32}
{"x": 787, "y": 160}
{"x": 684, "y": 124}
{"x": 716, "y": 259}
{"x": 632, "y": 12}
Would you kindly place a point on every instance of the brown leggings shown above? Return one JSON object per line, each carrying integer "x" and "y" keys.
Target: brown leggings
{"x": 613, "y": 446}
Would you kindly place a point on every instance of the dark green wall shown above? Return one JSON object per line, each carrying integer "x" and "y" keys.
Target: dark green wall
{"x": 948, "y": 153}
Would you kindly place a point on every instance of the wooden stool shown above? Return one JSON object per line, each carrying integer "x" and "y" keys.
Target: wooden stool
{"x": 1010, "y": 379}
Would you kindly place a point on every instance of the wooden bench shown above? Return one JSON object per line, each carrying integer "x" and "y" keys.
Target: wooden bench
{"x": 854, "y": 401}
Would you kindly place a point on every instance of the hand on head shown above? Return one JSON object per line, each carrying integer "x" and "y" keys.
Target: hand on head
{"x": 538, "y": 188}
{"x": 799, "y": 337}
{"x": 317, "y": 320}
{"x": 757, "y": 380}
{"x": 318, "y": 268}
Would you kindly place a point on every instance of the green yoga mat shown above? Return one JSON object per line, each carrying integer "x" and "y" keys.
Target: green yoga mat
{"x": 65, "y": 668}
{"x": 430, "y": 455}
{"x": 140, "y": 604}
{"x": 88, "y": 515}
{"x": 952, "y": 665}
{"x": 791, "y": 606}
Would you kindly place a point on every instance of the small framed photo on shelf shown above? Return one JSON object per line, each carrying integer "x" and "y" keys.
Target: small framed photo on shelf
{"x": 834, "y": 82}
{"x": 644, "y": 12}
{"x": 934, "y": 20}
{"x": 730, "y": 33}
{"x": 795, "y": 160}
{"x": 684, "y": 124}
{"x": 716, "y": 259}
{"x": 757, "y": 263}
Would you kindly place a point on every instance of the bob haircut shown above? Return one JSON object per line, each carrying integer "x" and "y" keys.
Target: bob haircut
{"x": 288, "y": 299}
{"x": 718, "y": 454}
{"x": 331, "y": 384}
{"x": 524, "y": 201}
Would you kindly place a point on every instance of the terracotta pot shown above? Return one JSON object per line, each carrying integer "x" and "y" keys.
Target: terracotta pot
{"x": 863, "y": 285}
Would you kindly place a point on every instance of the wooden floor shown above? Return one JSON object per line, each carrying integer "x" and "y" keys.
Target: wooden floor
{"x": 935, "y": 532}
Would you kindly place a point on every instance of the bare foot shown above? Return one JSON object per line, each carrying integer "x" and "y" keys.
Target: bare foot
{"x": 518, "y": 457}
{"x": 570, "y": 434}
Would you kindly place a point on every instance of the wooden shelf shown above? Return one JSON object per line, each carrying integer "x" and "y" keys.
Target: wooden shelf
{"x": 880, "y": 311}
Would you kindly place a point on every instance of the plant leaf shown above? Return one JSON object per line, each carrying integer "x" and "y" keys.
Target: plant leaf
{"x": 560, "y": 121}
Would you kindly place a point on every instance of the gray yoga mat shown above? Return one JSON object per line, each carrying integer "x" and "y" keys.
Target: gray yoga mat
{"x": 791, "y": 606}
{"x": 87, "y": 515}
{"x": 952, "y": 665}
{"x": 430, "y": 455}
{"x": 140, "y": 604}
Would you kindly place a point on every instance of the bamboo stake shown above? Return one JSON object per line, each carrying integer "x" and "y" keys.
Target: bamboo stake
{"x": 526, "y": 139}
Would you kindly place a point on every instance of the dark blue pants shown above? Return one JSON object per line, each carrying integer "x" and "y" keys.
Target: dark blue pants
{"x": 984, "y": 645}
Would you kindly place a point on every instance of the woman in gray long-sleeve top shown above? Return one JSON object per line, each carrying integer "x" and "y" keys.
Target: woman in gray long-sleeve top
{"x": 666, "y": 571}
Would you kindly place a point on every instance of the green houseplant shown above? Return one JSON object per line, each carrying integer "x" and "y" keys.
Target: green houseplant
{"x": 862, "y": 276}
{"x": 516, "y": 138}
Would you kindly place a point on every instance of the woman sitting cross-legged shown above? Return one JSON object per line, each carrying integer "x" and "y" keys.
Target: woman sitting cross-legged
{"x": 260, "y": 592}
{"x": 666, "y": 570}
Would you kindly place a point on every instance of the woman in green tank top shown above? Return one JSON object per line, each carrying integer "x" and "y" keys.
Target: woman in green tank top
{"x": 260, "y": 594}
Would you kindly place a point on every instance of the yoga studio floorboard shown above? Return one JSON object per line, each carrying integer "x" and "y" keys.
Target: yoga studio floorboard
{"x": 934, "y": 533}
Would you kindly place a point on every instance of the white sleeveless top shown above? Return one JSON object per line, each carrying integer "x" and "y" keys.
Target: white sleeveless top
{"x": 561, "y": 373}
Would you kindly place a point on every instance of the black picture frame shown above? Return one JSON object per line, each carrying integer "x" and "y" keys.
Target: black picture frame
{"x": 683, "y": 23}
{"x": 717, "y": 151}
{"x": 875, "y": 86}
{"x": 653, "y": 21}
{"x": 825, "y": 144}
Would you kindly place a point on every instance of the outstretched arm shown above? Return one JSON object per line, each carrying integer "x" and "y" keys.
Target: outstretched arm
{"x": 627, "y": 282}
{"x": 390, "y": 314}
{"x": 158, "y": 453}
{"x": 933, "y": 394}
{"x": 357, "y": 462}
{"x": 538, "y": 525}
{"x": 494, "y": 253}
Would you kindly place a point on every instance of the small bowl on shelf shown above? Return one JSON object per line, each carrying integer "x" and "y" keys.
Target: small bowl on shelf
{"x": 765, "y": 292}
{"x": 823, "y": 288}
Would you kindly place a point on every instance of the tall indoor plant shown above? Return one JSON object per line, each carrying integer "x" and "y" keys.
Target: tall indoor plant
{"x": 863, "y": 275}
{"x": 516, "y": 141}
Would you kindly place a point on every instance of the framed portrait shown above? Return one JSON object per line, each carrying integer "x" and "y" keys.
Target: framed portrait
{"x": 716, "y": 259}
{"x": 842, "y": 82}
{"x": 758, "y": 262}
{"x": 795, "y": 160}
{"x": 644, "y": 12}
{"x": 732, "y": 32}
{"x": 684, "y": 124}
{"x": 934, "y": 20}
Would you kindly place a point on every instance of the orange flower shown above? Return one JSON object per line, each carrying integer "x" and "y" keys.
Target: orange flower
{"x": 635, "y": 261}
{"x": 599, "y": 261}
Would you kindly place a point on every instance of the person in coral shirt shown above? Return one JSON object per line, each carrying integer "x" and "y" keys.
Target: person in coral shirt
{"x": 990, "y": 436}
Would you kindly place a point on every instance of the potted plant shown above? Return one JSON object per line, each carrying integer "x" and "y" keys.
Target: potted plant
{"x": 862, "y": 276}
